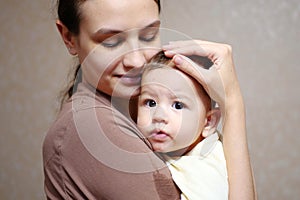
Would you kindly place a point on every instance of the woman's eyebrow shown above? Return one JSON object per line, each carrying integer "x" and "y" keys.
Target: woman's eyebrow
{"x": 156, "y": 23}
{"x": 108, "y": 31}
{"x": 105, "y": 33}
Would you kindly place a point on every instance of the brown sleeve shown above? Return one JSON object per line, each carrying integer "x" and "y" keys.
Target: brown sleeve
{"x": 94, "y": 153}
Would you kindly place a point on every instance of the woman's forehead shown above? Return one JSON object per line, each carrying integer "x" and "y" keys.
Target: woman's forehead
{"x": 118, "y": 14}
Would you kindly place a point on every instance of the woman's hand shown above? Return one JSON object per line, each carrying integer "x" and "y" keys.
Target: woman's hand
{"x": 220, "y": 80}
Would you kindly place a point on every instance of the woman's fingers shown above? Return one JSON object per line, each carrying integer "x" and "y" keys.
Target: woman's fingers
{"x": 182, "y": 43}
{"x": 214, "y": 51}
{"x": 209, "y": 79}
{"x": 186, "y": 48}
{"x": 220, "y": 79}
{"x": 192, "y": 69}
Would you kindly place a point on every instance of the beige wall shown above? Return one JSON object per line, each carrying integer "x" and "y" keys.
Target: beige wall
{"x": 265, "y": 36}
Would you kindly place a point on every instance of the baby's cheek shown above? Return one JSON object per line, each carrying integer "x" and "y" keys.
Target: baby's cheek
{"x": 144, "y": 118}
{"x": 189, "y": 125}
{"x": 177, "y": 123}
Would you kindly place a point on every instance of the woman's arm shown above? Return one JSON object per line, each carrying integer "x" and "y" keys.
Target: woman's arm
{"x": 221, "y": 83}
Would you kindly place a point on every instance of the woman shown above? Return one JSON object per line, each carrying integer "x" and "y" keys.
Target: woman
{"x": 93, "y": 150}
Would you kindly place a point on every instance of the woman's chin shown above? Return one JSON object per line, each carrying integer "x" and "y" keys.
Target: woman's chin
{"x": 126, "y": 92}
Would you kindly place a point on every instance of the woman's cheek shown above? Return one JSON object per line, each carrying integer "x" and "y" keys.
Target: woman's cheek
{"x": 96, "y": 64}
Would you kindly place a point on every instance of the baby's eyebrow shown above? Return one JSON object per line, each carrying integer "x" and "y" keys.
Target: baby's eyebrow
{"x": 147, "y": 92}
{"x": 181, "y": 96}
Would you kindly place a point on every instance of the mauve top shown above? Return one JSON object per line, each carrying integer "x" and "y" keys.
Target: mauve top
{"x": 92, "y": 151}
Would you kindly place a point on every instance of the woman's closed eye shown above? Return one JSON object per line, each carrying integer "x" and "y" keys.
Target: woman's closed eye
{"x": 149, "y": 34}
{"x": 113, "y": 41}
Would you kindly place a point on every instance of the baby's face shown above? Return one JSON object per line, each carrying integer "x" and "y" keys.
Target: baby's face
{"x": 171, "y": 109}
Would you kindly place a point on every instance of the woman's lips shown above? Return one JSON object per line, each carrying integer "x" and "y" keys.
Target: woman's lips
{"x": 130, "y": 79}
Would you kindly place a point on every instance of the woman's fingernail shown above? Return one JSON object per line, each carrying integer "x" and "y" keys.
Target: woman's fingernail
{"x": 170, "y": 52}
{"x": 178, "y": 60}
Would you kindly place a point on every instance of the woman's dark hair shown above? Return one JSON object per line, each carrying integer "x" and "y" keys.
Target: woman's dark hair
{"x": 69, "y": 14}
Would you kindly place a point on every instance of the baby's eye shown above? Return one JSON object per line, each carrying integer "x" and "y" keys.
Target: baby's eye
{"x": 178, "y": 105}
{"x": 150, "y": 103}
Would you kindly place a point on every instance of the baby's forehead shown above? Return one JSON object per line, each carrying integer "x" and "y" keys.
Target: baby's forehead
{"x": 163, "y": 73}
{"x": 168, "y": 78}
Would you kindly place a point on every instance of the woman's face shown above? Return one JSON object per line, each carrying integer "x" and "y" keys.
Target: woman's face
{"x": 113, "y": 43}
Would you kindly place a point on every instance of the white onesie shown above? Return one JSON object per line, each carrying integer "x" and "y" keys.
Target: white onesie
{"x": 201, "y": 174}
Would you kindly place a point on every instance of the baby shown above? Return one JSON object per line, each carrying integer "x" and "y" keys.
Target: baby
{"x": 175, "y": 114}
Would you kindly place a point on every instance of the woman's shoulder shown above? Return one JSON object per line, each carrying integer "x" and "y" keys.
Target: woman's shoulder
{"x": 90, "y": 118}
{"x": 88, "y": 135}
{"x": 57, "y": 131}
{"x": 87, "y": 97}
{"x": 66, "y": 122}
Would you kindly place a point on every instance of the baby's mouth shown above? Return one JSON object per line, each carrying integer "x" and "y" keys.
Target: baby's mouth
{"x": 159, "y": 136}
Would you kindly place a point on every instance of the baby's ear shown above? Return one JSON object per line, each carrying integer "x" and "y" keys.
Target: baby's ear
{"x": 212, "y": 119}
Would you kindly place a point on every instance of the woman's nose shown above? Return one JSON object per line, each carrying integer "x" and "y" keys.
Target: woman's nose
{"x": 160, "y": 115}
{"x": 134, "y": 59}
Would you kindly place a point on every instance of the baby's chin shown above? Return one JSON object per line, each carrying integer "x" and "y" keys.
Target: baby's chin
{"x": 172, "y": 152}
{"x": 164, "y": 147}
{"x": 160, "y": 148}
{"x": 168, "y": 148}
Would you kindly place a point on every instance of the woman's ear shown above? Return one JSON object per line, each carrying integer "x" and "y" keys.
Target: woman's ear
{"x": 212, "y": 119}
{"x": 67, "y": 36}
